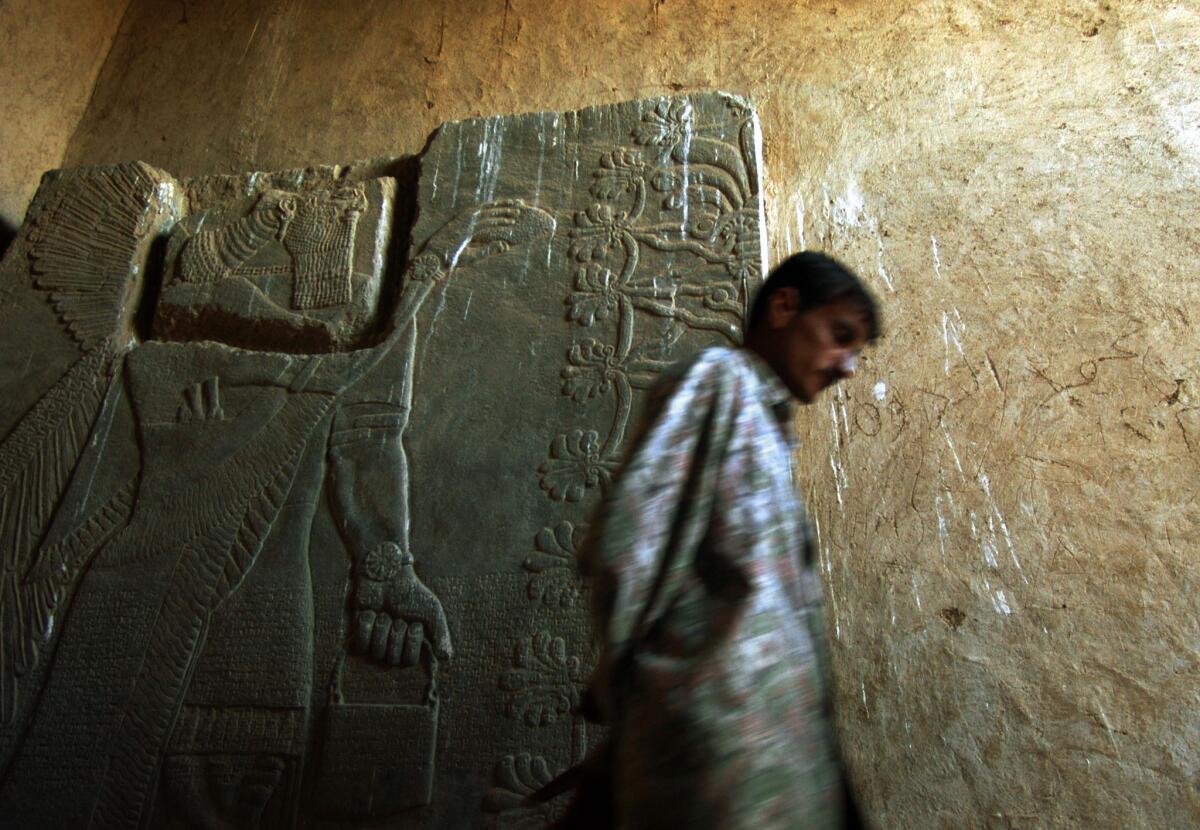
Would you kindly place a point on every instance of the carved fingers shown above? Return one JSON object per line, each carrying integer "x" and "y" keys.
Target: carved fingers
{"x": 389, "y": 640}
{"x": 412, "y": 644}
{"x": 490, "y": 229}
{"x": 412, "y": 598}
{"x": 365, "y": 629}
{"x": 395, "y": 613}
{"x": 380, "y": 634}
{"x": 494, "y": 225}
{"x": 509, "y": 222}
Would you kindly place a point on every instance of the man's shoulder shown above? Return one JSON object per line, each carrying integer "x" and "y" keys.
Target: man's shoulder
{"x": 710, "y": 364}
{"x": 695, "y": 385}
{"x": 727, "y": 379}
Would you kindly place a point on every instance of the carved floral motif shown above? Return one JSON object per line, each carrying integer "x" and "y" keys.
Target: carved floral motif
{"x": 383, "y": 562}
{"x": 596, "y": 295}
{"x": 426, "y": 267}
{"x": 575, "y": 464}
{"x": 601, "y": 232}
{"x": 676, "y": 196}
{"x": 668, "y": 124}
{"x": 708, "y": 209}
{"x": 543, "y": 682}
{"x": 552, "y": 567}
{"x": 516, "y": 778}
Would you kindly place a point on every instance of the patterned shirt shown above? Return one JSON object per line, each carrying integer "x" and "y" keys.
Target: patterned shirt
{"x": 713, "y": 673}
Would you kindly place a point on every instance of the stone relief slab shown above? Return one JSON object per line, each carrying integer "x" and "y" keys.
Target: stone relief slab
{"x": 290, "y": 514}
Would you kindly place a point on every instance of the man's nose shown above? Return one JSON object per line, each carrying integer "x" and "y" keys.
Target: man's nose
{"x": 847, "y": 364}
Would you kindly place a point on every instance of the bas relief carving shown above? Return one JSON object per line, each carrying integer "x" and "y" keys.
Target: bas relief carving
{"x": 283, "y": 544}
{"x": 279, "y": 270}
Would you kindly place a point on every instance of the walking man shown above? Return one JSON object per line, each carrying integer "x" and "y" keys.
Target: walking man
{"x": 713, "y": 677}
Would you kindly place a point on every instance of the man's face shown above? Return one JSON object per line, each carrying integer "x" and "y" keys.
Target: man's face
{"x": 815, "y": 348}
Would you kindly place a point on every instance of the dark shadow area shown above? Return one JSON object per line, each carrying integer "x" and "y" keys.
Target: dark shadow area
{"x": 7, "y": 233}
{"x": 405, "y": 170}
{"x": 144, "y": 317}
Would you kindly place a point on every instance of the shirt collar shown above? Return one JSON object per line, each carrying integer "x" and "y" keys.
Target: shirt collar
{"x": 771, "y": 391}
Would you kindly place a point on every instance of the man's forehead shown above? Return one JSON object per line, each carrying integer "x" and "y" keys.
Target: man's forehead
{"x": 848, "y": 312}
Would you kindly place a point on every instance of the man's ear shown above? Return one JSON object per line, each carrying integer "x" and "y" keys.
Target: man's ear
{"x": 782, "y": 307}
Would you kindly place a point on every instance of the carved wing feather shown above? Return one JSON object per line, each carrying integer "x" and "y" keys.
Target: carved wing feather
{"x": 87, "y": 248}
{"x": 37, "y": 459}
{"x": 28, "y": 605}
{"x": 261, "y": 513}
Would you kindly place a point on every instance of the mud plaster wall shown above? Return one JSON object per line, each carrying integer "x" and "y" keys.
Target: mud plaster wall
{"x": 51, "y": 52}
{"x": 1006, "y": 494}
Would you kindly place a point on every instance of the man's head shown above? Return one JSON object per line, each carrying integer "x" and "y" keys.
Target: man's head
{"x": 809, "y": 321}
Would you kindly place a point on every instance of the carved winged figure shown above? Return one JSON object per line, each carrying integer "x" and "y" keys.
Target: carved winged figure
{"x": 224, "y": 435}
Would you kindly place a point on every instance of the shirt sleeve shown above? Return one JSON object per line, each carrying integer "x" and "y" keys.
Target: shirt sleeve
{"x": 656, "y": 516}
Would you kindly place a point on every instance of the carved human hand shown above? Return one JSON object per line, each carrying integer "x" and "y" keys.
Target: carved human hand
{"x": 489, "y": 229}
{"x": 394, "y": 612}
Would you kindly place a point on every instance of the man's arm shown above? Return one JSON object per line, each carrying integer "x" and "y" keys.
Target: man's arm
{"x": 643, "y": 550}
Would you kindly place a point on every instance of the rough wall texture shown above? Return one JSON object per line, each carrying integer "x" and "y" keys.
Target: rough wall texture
{"x": 50, "y": 55}
{"x": 1006, "y": 494}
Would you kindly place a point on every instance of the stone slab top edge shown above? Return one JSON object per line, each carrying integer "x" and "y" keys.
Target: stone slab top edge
{"x": 384, "y": 165}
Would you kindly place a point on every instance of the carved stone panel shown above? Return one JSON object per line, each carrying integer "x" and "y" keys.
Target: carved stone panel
{"x": 297, "y": 546}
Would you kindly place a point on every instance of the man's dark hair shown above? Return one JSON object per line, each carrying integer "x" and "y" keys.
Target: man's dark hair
{"x": 821, "y": 280}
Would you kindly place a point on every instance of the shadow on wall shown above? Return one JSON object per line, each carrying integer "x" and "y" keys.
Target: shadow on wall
{"x": 7, "y": 233}
{"x": 406, "y": 171}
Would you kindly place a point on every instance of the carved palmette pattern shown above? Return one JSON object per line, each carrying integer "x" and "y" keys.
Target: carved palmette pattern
{"x": 542, "y": 684}
{"x": 708, "y": 209}
{"x": 516, "y": 778}
{"x": 551, "y": 566}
